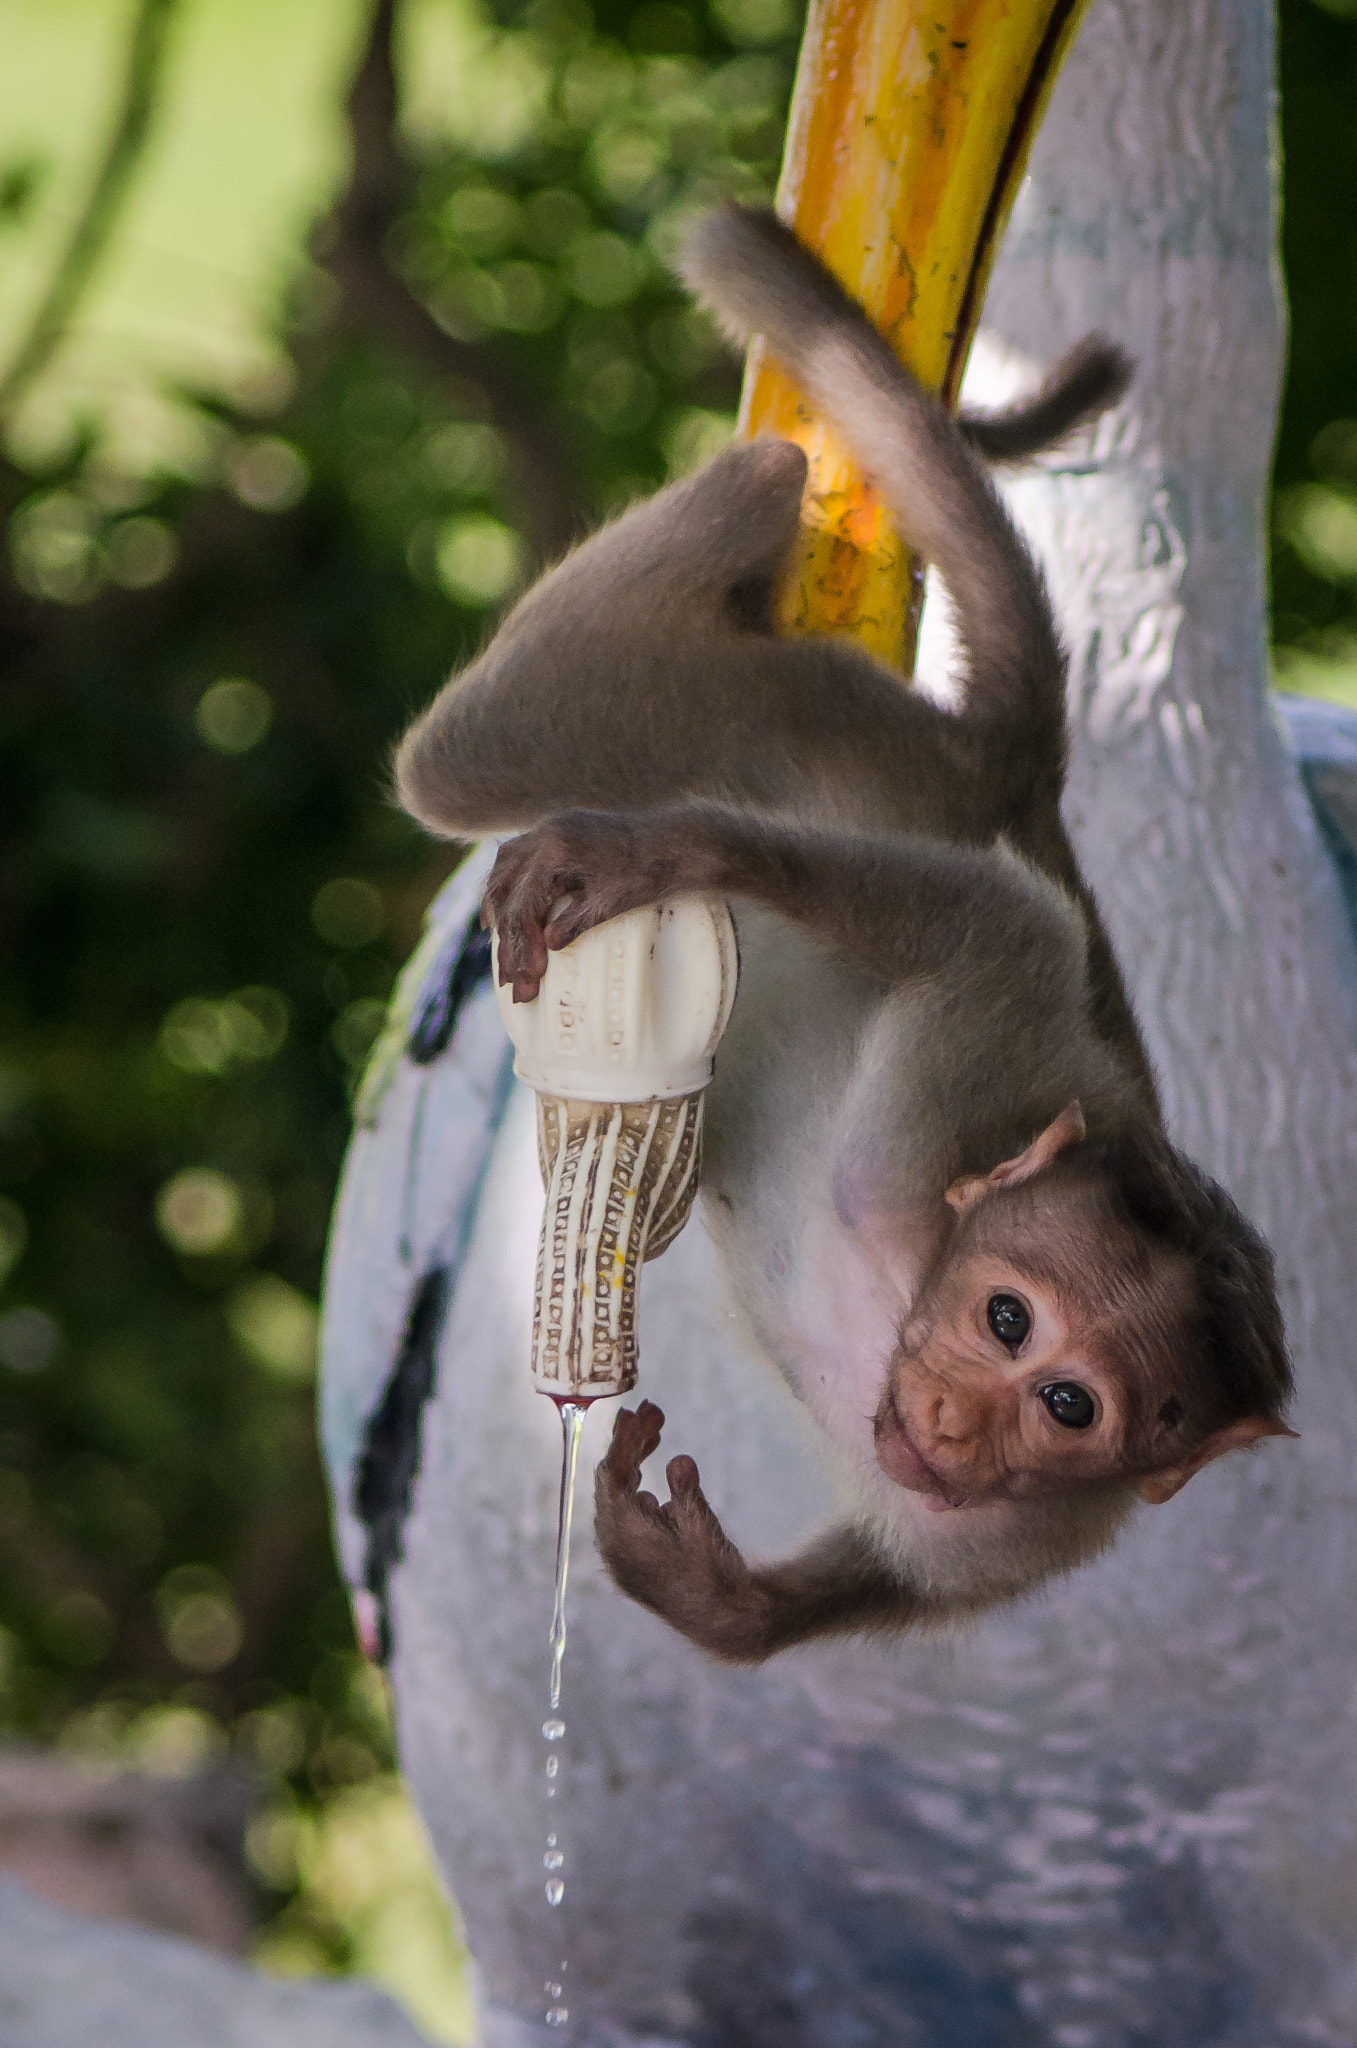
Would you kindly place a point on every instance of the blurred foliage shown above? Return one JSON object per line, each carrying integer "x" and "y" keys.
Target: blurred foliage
{"x": 358, "y": 1867}
{"x": 1315, "y": 503}
{"x": 205, "y": 893}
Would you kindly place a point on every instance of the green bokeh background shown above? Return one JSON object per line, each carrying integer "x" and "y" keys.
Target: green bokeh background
{"x": 253, "y": 517}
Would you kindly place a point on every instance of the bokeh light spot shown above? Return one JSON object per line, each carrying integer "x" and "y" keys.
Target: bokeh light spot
{"x": 275, "y": 1736}
{"x": 52, "y": 543}
{"x": 173, "y": 1741}
{"x": 268, "y": 474}
{"x": 201, "y": 1035}
{"x": 603, "y": 269}
{"x": 275, "y": 1325}
{"x": 752, "y": 22}
{"x": 233, "y": 715}
{"x": 199, "y": 1211}
{"x": 347, "y": 912}
{"x": 139, "y": 553}
{"x": 482, "y": 219}
{"x": 479, "y": 560}
{"x": 29, "y": 1339}
{"x": 465, "y": 455}
{"x": 1321, "y": 524}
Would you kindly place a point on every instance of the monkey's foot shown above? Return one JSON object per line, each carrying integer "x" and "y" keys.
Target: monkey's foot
{"x": 564, "y": 877}
{"x": 674, "y": 1557}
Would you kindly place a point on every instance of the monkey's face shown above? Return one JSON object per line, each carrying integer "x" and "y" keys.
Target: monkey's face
{"x": 1005, "y": 1384}
{"x": 998, "y": 1395}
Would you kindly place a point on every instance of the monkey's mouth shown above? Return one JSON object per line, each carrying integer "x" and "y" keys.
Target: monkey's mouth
{"x": 902, "y": 1462}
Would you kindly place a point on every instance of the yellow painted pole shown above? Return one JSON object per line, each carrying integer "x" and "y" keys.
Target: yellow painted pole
{"x": 910, "y": 126}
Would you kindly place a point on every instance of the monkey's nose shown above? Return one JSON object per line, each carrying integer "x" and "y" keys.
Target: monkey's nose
{"x": 956, "y": 1416}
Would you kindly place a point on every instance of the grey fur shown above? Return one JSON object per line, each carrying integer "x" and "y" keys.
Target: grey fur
{"x": 1093, "y": 377}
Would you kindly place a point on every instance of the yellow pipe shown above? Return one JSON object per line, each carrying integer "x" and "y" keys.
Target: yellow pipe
{"x": 909, "y": 132}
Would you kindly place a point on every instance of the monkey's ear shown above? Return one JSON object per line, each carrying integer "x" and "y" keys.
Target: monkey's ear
{"x": 1160, "y": 1486}
{"x": 1067, "y": 1129}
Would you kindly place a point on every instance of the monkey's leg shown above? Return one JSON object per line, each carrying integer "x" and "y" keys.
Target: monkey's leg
{"x": 676, "y": 1559}
{"x": 645, "y": 668}
{"x": 810, "y": 729}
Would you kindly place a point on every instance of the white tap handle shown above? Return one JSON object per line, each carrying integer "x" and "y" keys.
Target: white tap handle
{"x": 619, "y": 1046}
{"x": 633, "y": 1010}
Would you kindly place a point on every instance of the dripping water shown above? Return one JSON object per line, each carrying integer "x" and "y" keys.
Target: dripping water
{"x": 553, "y": 1728}
{"x": 572, "y": 1422}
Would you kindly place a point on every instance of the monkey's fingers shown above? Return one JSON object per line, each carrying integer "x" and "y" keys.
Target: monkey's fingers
{"x": 562, "y": 879}
{"x": 596, "y": 896}
{"x": 535, "y": 876}
{"x": 678, "y": 1561}
{"x": 502, "y": 880}
{"x": 579, "y": 916}
{"x": 691, "y": 1516}
{"x": 517, "y": 899}
{"x": 636, "y": 1434}
{"x": 688, "y": 1507}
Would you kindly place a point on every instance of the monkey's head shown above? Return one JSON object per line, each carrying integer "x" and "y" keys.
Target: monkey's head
{"x": 1100, "y": 1313}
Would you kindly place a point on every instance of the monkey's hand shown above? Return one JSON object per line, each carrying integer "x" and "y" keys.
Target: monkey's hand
{"x": 677, "y": 1560}
{"x": 569, "y": 874}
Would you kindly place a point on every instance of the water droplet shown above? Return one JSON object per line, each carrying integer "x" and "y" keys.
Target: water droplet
{"x": 553, "y": 1730}
{"x": 557, "y": 2015}
{"x": 555, "y": 1890}
{"x": 553, "y": 1859}
{"x": 553, "y": 1765}
{"x": 551, "y": 1841}
{"x": 552, "y": 1990}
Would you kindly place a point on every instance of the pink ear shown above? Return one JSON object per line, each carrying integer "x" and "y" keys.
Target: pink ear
{"x": 1067, "y": 1129}
{"x": 1160, "y": 1486}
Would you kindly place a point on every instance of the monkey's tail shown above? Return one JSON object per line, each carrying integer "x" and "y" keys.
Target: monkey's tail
{"x": 758, "y": 279}
{"x": 1094, "y": 375}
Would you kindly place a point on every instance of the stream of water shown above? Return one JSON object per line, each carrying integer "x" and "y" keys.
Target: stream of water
{"x": 572, "y": 1415}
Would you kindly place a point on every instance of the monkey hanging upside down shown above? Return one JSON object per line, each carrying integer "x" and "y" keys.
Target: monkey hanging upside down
{"x": 934, "y": 1160}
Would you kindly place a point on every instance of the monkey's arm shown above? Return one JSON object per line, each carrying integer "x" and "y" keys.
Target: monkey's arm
{"x": 893, "y": 907}
{"x": 677, "y": 1560}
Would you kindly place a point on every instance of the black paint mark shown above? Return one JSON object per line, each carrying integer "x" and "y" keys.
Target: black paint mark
{"x": 444, "y": 996}
{"x": 388, "y": 1464}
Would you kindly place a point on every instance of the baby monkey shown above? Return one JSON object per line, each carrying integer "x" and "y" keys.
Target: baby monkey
{"x": 935, "y": 1165}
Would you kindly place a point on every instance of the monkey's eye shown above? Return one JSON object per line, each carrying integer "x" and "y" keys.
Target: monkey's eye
{"x": 1069, "y": 1405}
{"x": 1009, "y": 1320}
